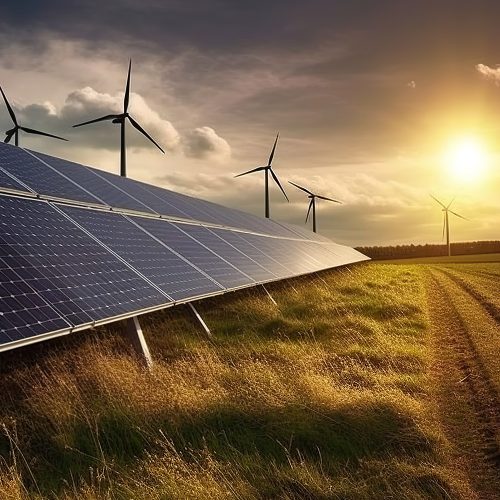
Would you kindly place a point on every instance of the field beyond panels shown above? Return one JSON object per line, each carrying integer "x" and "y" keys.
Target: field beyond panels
{"x": 378, "y": 381}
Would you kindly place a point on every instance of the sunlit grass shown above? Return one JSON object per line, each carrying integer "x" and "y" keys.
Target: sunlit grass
{"x": 324, "y": 396}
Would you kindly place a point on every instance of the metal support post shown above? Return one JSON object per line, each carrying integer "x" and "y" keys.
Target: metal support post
{"x": 200, "y": 319}
{"x": 269, "y": 295}
{"x": 138, "y": 342}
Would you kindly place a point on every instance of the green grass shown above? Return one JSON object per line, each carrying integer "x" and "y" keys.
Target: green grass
{"x": 327, "y": 395}
{"x": 484, "y": 257}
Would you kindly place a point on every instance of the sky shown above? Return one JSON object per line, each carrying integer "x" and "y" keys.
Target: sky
{"x": 377, "y": 103}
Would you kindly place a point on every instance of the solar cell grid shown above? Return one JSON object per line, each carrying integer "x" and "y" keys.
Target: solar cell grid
{"x": 173, "y": 275}
{"x": 9, "y": 183}
{"x": 173, "y": 235}
{"x": 219, "y": 246}
{"x": 38, "y": 176}
{"x": 69, "y": 270}
{"x": 256, "y": 248}
{"x": 89, "y": 179}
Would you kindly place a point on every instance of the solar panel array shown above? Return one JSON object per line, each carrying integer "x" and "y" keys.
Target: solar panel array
{"x": 81, "y": 247}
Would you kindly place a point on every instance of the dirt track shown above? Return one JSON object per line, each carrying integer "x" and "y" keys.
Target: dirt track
{"x": 468, "y": 398}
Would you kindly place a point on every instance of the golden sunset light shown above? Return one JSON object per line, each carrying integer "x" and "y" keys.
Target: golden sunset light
{"x": 467, "y": 160}
{"x": 250, "y": 250}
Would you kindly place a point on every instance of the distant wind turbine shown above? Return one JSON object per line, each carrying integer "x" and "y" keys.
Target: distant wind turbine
{"x": 312, "y": 203}
{"x": 268, "y": 170}
{"x": 446, "y": 223}
{"x": 121, "y": 119}
{"x": 14, "y": 131}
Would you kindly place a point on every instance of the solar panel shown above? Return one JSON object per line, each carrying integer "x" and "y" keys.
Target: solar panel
{"x": 80, "y": 280}
{"x": 39, "y": 177}
{"x": 64, "y": 266}
{"x": 8, "y": 182}
{"x": 256, "y": 248}
{"x": 231, "y": 254}
{"x": 202, "y": 257}
{"x": 175, "y": 276}
{"x": 89, "y": 179}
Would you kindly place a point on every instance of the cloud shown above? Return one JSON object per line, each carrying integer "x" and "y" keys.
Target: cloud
{"x": 86, "y": 103}
{"x": 204, "y": 143}
{"x": 412, "y": 84}
{"x": 489, "y": 72}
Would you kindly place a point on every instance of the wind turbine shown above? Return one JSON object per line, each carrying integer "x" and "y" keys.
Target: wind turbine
{"x": 121, "y": 119}
{"x": 268, "y": 169}
{"x": 312, "y": 203}
{"x": 14, "y": 131}
{"x": 446, "y": 223}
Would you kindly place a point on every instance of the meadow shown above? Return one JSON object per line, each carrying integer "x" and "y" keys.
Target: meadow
{"x": 374, "y": 381}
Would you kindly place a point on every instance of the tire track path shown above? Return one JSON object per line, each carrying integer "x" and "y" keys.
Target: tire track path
{"x": 467, "y": 397}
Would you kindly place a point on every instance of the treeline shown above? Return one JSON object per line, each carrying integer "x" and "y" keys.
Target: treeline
{"x": 407, "y": 251}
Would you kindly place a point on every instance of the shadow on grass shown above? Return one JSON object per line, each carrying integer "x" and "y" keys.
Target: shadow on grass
{"x": 342, "y": 435}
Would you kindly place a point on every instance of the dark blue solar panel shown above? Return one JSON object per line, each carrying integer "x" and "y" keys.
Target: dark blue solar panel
{"x": 173, "y": 236}
{"x": 289, "y": 253}
{"x": 91, "y": 181}
{"x": 252, "y": 246}
{"x": 169, "y": 272}
{"x": 140, "y": 192}
{"x": 8, "y": 182}
{"x": 23, "y": 313}
{"x": 81, "y": 280}
{"x": 38, "y": 176}
{"x": 235, "y": 257}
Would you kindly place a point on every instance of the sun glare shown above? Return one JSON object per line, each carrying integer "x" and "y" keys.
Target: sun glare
{"x": 466, "y": 160}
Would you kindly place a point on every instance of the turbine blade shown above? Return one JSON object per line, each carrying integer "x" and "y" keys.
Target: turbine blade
{"x": 328, "y": 199}
{"x": 449, "y": 204}
{"x": 101, "y": 119}
{"x": 8, "y": 136}
{"x": 309, "y": 209}
{"x": 258, "y": 169}
{"x": 279, "y": 185}
{"x": 271, "y": 156}
{"x": 301, "y": 188}
{"x": 9, "y": 109}
{"x": 37, "y": 132}
{"x": 435, "y": 199}
{"x": 458, "y": 215}
{"x": 127, "y": 89}
{"x": 143, "y": 132}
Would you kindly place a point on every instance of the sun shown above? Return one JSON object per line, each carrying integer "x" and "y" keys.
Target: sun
{"x": 466, "y": 159}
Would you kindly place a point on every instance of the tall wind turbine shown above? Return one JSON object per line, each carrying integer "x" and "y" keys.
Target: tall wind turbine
{"x": 312, "y": 203}
{"x": 121, "y": 119}
{"x": 446, "y": 223}
{"x": 268, "y": 169}
{"x": 14, "y": 131}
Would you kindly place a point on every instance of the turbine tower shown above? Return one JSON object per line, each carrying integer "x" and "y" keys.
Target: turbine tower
{"x": 446, "y": 223}
{"x": 268, "y": 169}
{"x": 312, "y": 203}
{"x": 14, "y": 131}
{"x": 121, "y": 119}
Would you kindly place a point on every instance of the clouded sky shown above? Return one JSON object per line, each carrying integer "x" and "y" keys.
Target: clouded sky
{"x": 369, "y": 98}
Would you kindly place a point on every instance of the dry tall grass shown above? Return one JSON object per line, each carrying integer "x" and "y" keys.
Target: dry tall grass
{"x": 325, "y": 396}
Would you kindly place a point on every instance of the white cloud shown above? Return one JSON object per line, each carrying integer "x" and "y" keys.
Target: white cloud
{"x": 489, "y": 72}
{"x": 87, "y": 103}
{"x": 412, "y": 84}
{"x": 204, "y": 143}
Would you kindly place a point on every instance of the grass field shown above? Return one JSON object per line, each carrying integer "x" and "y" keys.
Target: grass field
{"x": 453, "y": 259}
{"x": 380, "y": 381}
